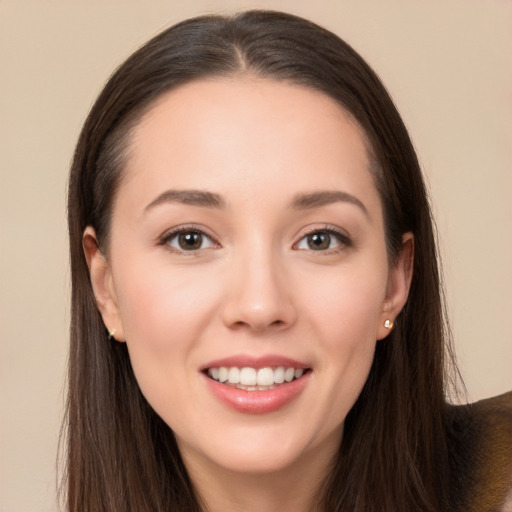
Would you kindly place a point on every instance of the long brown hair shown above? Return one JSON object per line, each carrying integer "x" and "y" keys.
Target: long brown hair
{"x": 120, "y": 455}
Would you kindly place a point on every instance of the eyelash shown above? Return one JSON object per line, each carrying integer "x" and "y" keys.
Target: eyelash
{"x": 168, "y": 237}
{"x": 343, "y": 239}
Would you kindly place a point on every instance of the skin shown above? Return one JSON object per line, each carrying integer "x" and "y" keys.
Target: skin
{"x": 256, "y": 286}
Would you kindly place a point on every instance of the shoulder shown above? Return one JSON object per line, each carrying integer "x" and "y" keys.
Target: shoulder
{"x": 480, "y": 447}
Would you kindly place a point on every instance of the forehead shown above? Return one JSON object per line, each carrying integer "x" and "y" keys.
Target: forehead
{"x": 243, "y": 134}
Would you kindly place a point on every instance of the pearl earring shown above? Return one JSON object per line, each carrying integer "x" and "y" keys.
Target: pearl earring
{"x": 388, "y": 324}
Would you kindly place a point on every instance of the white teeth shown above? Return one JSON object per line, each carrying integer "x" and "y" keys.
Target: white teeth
{"x": 289, "y": 374}
{"x": 252, "y": 379}
{"x": 265, "y": 377}
{"x": 223, "y": 374}
{"x": 279, "y": 375}
{"x": 233, "y": 375}
{"x": 248, "y": 376}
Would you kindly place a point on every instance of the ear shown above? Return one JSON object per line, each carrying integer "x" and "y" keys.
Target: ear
{"x": 102, "y": 284}
{"x": 399, "y": 283}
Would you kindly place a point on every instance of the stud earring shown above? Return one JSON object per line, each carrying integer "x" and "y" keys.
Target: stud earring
{"x": 111, "y": 333}
{"x": 388, "y": 324}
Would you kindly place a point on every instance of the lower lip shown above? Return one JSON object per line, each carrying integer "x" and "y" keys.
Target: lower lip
{"x": 258, "y": 402}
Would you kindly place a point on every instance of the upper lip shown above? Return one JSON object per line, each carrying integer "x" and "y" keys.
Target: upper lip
{"x": 248, "y": 361}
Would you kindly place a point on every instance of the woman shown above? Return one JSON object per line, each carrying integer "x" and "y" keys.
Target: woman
{"x": 256, "y": 312}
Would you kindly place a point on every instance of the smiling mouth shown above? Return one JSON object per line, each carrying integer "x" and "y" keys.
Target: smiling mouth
{"x": 255, "y": 379}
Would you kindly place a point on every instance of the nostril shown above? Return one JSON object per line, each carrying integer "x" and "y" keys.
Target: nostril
{"x": 258, "y": 326}
{"x": 239, "y": 325}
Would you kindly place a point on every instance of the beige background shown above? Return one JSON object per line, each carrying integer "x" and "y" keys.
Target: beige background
{"x": 446, "y": 63}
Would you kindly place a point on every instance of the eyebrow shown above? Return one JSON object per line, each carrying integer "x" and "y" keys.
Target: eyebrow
{"x": 190, "y": 197}
{"x": 326, "y": 197}
{"x": 211, "y": 200}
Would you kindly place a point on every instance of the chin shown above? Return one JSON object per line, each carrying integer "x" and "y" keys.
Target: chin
{"x": 268, "y": 449}
{"x": 256, "y": 459}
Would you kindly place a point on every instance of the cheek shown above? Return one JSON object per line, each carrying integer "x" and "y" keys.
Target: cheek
{"x": 164, "y": 312}
{"x": 347, "y": 303}
{"x": 344, "y": 316}
{"x": 164, "y": 307}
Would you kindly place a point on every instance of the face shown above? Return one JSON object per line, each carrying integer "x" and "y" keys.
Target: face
{"x": 247, "y": 243}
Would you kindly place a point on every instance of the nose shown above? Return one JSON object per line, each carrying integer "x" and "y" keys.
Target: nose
{"x": 259, "y": 295}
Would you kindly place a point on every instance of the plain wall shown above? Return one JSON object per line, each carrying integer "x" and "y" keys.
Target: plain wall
{"x": 446, "y": 63}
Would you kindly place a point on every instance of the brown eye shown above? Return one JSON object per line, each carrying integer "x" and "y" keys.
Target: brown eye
{"x": 319, "y": 241}
{"x": 323, "y": 240}
{"x": 188, "y": 240}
